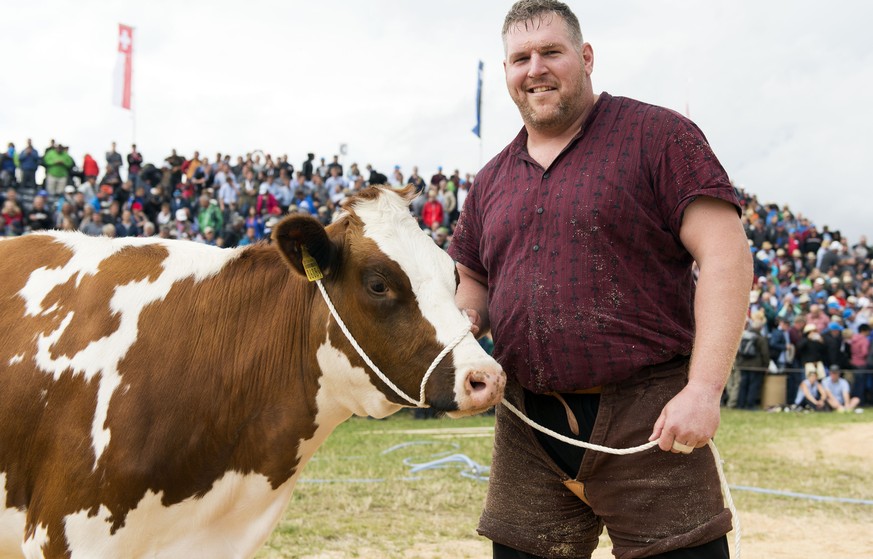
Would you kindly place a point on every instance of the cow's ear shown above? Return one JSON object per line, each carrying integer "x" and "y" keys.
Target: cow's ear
{"x": 295, "y": 232}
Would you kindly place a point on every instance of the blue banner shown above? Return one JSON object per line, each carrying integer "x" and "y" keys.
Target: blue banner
{"x": 478, "y": 128}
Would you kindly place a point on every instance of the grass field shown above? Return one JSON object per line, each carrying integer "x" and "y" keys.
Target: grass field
{"x": 357, "y": 497}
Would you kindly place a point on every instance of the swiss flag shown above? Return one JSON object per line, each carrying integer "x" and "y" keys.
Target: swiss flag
{"x": 123, "y": 67}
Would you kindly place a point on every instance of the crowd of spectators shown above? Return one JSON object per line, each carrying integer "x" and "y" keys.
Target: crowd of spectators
{"x": 224, "y": 201}
{"x": 811, "y": 304}
{"x": 810, "y": 311}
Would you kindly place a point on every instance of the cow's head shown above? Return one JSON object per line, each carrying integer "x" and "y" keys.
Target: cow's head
{"x": 394, "y": 289}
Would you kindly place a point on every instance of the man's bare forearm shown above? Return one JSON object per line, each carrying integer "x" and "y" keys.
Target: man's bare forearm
{"x": 472, "y": 295}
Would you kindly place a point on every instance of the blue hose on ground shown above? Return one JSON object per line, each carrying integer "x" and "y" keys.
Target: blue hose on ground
{"x": 479, "y": 472}
{"x": 802, "y": 495}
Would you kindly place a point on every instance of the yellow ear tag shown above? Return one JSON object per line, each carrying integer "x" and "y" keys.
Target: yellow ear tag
{"x": 313, "y": 272}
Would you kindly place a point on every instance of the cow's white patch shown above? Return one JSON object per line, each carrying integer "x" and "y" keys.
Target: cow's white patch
{"x": 32, "y": 547}
{"x": 11, "y": 525}
{"x": 345, "y": 389}
{"x": 16, "y": 359}
{"x": 431, "y": 273}
{"x": 184, "y": 261}
{"x": 232, "y": 520}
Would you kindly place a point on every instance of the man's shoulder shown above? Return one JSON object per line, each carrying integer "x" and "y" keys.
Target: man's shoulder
{"x": 643, "y": 115}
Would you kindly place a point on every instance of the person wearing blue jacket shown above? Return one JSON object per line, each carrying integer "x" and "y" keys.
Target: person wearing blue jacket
{"x": 28, "y": 162}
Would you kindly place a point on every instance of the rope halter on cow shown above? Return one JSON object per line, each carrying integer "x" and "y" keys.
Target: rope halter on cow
{"x": 313, "y": 273}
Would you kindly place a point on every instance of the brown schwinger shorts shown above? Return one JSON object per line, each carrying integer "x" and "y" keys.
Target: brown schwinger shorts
{"x": 650, "y": 502}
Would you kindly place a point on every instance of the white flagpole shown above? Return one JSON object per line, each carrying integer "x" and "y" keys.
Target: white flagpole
{"x": 132, "y": 96}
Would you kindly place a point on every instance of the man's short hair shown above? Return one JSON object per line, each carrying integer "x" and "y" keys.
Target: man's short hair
{"x": 535, "y": 11}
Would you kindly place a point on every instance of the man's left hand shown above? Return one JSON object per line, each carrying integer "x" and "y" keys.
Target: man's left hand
{"x": 691, "y": 418}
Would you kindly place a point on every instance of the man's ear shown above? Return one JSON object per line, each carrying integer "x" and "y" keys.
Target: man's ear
{"x": 298, "y": 231}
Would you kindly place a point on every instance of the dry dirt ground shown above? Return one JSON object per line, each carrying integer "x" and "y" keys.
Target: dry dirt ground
{"x": 764, "y": 535}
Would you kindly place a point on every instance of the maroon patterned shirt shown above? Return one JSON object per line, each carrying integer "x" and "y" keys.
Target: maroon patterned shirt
{"x": 588, "y": 282}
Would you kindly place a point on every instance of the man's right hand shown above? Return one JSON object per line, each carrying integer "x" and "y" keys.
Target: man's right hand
{"x": 475, "y": 319}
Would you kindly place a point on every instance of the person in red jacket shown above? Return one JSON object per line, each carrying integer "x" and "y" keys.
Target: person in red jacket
{"x": 90, "y": 167}
{"x": 432, "y": 213}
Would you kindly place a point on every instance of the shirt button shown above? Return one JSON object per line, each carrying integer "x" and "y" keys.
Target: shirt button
{"x": 546, "y": 175}
{"x": 536, "y": 248}
{"x": 539, "y": 210}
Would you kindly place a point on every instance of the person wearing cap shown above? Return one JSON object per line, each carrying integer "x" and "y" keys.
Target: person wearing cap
{"x": 58, "y": 165}
{"x": 811, "y": 350}
{"x": 836, "y": 391}
{"x": 863, "y": 313}
{"x": 561, "y": 272}
{"x": 836, "y": 345}
{"x": 182, "y": 224}
{"x": 396, "y": 178}
{"x": 797, "y": 262}
{"x": 762, "y": 263}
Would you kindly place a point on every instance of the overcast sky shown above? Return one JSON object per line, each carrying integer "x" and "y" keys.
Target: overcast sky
{"x": 781, "y": 88}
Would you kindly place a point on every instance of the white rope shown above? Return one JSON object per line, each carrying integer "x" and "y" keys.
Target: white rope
{"x": 633, "y": 450}
{"x": 574, "y": 442}
{"x": 727, "y": 496}
{"x": 420, "y": 403}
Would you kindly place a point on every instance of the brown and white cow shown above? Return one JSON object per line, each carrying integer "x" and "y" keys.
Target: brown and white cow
{"x": 161, "y": 398}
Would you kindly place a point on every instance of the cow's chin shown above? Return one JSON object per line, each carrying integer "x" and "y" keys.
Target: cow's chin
{"x": 467, "y": 413}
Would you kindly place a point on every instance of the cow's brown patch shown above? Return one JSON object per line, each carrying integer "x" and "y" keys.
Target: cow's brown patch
{"x": 93, "y": 317}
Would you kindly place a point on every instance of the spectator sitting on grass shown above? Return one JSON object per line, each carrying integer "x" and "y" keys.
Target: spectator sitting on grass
{"x": 837, "y": 391}
{"x": 810, "y": 395}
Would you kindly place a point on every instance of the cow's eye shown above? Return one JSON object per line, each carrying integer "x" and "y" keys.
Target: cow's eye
{"x": 377, "y": 286}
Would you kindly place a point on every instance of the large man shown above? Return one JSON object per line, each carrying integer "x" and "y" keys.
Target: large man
{"x": 576, "y": 247}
